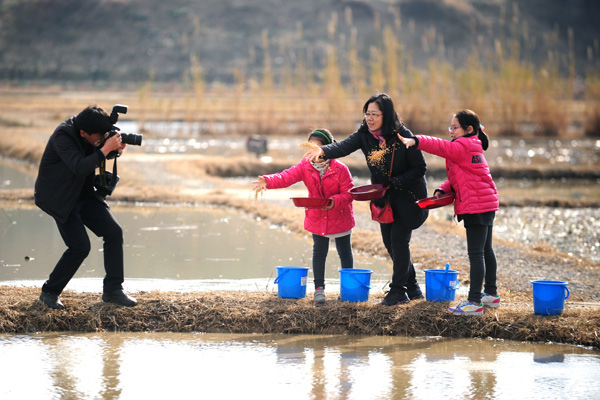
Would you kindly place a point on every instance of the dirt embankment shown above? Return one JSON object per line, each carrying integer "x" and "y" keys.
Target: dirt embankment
{"x": 252, "y": 312}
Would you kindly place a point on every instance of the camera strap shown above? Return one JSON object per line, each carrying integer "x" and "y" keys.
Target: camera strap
{"x": 102, "y": 168}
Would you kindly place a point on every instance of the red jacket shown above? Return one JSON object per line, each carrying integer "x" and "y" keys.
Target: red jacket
{"x": 468, "y": 173}
{"x": 335, "y": 184}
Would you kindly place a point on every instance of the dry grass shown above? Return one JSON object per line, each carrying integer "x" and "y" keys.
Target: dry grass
{"x": 261, "y": 312}
{"x": 294, "y": 112}
{"x": 18, "y": 146}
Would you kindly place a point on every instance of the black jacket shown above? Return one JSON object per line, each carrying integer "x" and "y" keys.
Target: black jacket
{"x": 66, "y": 171}
{"x": 407, "y": 182}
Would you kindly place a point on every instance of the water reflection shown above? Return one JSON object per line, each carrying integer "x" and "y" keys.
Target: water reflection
{"x": 162, "y": 365}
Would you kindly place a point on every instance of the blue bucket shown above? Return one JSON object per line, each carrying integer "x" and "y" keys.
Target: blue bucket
{"x": 549, "y": 297}
{"x": 355, "y": 284}
{"x": 291, "y": 282}
{"x": 441, "y": 284}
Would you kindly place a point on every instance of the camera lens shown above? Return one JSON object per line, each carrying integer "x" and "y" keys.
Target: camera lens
{"x": 134, "y": 139}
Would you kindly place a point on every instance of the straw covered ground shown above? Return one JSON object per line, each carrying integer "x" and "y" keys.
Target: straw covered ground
{"x": 251, "y": 312}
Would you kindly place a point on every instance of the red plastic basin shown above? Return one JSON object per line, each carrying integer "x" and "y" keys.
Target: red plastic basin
{"x": 432, "y": 202}
{"x": 310, "y": 202}
{"x": 368, "y": 192}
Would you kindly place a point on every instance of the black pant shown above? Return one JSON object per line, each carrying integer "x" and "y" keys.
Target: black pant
{"x": 320, "y": 250}
{"x": 396, "y": 239}
{"x": 98, "y": 218}
{"x": 482, "y": 260}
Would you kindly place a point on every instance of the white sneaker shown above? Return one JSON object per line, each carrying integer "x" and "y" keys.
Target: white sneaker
{"x": 465, "y": 307}
{"x": 319, "y": 295}
{"x": 490, "y": 301}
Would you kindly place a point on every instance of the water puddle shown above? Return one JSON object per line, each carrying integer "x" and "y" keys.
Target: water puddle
{"x": 16, "y": 174}
{"x": 183, "y": 365}
{"x": 170, "y": 248}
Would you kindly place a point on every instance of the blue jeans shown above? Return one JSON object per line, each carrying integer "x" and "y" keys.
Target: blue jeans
{"x": 320, "y": 250}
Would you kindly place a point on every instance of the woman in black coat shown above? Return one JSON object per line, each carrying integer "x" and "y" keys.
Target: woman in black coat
{"x": 377, "y": 138}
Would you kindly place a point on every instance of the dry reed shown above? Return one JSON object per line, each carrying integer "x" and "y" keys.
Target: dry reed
{"x": 265, "y": 312}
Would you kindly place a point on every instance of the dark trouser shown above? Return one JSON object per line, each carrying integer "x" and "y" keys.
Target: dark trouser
{"x": 98, "y": 218}
{"x": 396, "y": 239}
{"x": 320, "y": 250}
{"x": 482, "y": 260}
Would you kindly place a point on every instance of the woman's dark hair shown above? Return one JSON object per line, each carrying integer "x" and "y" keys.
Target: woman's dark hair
{"x": 93, "y": 119}
{"x": 323, "y": 135}
{"x": 391, "y": 122}
{"x": 468, "y": 118}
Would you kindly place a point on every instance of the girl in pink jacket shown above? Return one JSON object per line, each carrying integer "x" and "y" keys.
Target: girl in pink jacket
{"x": 329, "y": 179}
{"x": 476, "y": 202}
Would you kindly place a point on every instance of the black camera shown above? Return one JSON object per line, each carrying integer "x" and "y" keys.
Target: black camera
{"x": 127, "y": 138}
{"x": 105, "y": 183}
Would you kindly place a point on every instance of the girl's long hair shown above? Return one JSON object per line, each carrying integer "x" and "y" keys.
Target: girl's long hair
{"x": 468, "y": 118}
{"x": 391, "y": 122}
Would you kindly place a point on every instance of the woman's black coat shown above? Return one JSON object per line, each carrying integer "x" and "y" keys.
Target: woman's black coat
{"x": 407, "y": 182}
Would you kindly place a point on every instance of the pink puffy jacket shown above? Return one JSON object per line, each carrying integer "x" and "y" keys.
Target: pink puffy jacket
{"x": 468, "y": 173}
{"x": 335, "y": 184}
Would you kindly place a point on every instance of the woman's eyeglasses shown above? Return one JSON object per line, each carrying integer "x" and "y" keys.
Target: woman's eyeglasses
{"x": 372, "y": 115}
{"x": 453, "y": 128}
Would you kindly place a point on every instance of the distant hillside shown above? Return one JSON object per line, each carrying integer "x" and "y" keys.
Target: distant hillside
{"x": 119, "y": 41}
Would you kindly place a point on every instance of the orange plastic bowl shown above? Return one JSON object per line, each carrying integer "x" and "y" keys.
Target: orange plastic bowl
{"x": 310, "y": 202}
{"x": 368, "y": 192}
{"x": 432, "y": 202}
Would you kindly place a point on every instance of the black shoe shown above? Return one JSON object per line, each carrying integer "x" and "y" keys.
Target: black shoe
{"x": 52, "y": 301}
{"x": 119, "y": 297}
{"x": 416, "y": 295}
{"x": 395, "y": 298}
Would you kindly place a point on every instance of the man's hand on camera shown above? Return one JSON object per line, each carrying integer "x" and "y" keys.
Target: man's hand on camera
{"x": 113, "y": 143}
{"x": 121, "y": 148}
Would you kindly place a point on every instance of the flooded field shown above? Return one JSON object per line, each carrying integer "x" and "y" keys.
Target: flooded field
{"x": 171, "y": 248}
{"x": 162, "y": 365}
{"x": 178, "y": 137}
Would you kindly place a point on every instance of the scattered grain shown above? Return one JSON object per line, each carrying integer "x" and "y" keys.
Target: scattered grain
{"x": 377, "y": 157}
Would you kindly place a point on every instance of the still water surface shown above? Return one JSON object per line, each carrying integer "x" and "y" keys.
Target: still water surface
{"x": 170, "y": 248}
{"x": 228, "y": 366}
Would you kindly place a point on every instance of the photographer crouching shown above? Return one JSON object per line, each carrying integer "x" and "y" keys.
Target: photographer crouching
{"x": 67, "y": 189}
